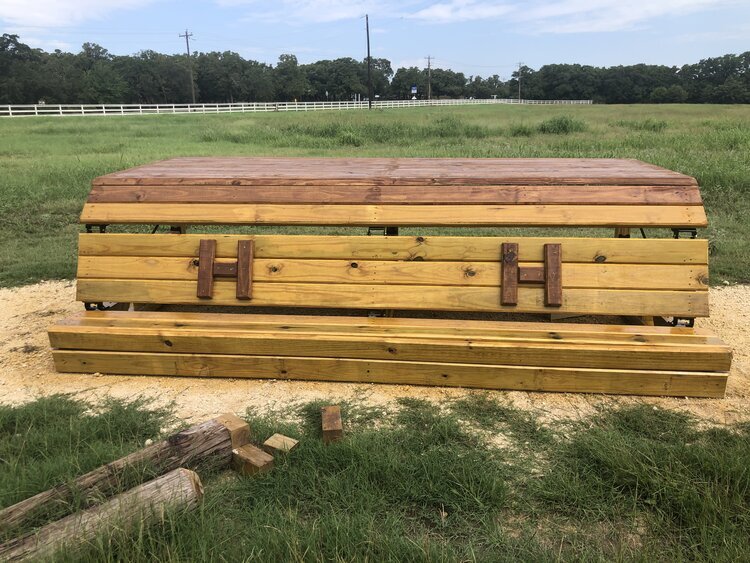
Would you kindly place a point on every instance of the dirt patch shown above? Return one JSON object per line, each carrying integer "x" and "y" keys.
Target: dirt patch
{"x": 27, "y": 372}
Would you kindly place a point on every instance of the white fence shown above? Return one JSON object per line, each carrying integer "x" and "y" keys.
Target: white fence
{"x": 149, "y": 109}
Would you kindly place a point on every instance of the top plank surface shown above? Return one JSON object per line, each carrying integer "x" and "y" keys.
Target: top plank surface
{"x": 239, "y": 171}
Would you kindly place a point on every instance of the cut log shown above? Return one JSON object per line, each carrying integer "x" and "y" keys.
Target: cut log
{"x": 249, "y": 460}
{"x": 179, "y": 489}
{"x": 205, "y": 445}
{"x": 278, "y": 443}
{"x": 333, "y": 428}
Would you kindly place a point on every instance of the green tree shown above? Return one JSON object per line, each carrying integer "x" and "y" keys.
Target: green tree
{"x": 289, "y": 79}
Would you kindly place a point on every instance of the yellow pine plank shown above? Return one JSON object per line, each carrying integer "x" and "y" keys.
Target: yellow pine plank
{"x": 579, "y": 380}
{"x": 530, "y": 299}
{"x": 550, "y": 353}
{"x": 437, "y": 215}
{"x": 392, "y": 326}
{"x": 427, "y": 248}
{"x": 620, "y": 276}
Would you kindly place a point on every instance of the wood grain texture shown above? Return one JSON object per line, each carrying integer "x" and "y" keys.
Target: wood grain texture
{"x": 207, "y": 445}
{"x": 397, "y": 215}
{"x": 544, "y": 350}
{"x": 392, "y": 326}
{"x": 427, "y": 248}
{"x": 141, "y": 506}
{"x": 553, "y": 275}
{"x": 526, "y": 378}
{"x": 206, "y": 257}
{"x": 411, "y": 297}
{"x": 238, "y": 171}
{"x": 332, "y": 426}
{"x": 403, "y": 195}
{"x": 619, "y": 276}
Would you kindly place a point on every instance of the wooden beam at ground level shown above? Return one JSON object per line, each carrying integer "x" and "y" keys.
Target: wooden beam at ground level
{"x": 523, "y": 378}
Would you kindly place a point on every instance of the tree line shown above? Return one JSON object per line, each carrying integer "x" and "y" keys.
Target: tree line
{"x": 94, "y": 75}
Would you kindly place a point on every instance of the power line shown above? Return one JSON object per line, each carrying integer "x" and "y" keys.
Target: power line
{"x": 187, "y": 37}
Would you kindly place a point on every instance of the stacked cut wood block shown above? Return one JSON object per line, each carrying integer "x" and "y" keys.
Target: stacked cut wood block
{"x": 645, "y": 278}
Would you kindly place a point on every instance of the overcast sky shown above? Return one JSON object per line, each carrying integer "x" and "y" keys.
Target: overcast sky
{"x": 473, "y": 36}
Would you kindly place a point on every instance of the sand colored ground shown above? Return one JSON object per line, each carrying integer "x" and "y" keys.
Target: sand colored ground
{"x": 27, "y": 372}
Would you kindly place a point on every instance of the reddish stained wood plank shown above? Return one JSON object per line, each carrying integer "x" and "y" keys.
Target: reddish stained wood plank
{"x": 553, "y": 275}
{"x": 509, "y": 273}
{"x": 244, "y": 269}
{"x": 520, "y": 195}
{"x": 392, "y": 171}
{"x": 206, "y": 258}
{"x": 332, "y": 426}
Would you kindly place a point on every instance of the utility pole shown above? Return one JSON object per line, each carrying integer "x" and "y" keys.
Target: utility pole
{"x": 187, "y": 37}
{"x": 369, "y": 64}
{"x": 429, "y": 77}
{"x": 519, "y": 82}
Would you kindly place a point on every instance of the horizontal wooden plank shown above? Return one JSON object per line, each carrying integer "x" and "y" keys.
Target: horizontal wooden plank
{"x": 398, "y": 215}
{"x": 574, "y": 333}
{"x": 414, "y": 297}
{"x": 404, "y": 195}
{"x": 427, "y": 248}
{"x": 531, "y": 378}
{"x": 550, "y": 353}
{"x": 620, "y": 276}
{"x": 394, "y": 171}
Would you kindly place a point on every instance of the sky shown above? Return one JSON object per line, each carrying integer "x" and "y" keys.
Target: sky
{"x": 477, "y": 37}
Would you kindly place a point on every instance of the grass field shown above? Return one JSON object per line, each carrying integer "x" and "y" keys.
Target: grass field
{"x": 468, "y": 480}
{"x": 47, "y": 163}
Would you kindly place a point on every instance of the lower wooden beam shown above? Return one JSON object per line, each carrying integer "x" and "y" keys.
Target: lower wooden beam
{"x": 523, "y": 378}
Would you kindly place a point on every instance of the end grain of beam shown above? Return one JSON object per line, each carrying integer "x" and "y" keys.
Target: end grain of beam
{"x": 278, "y": 443}
{"x": 333, "y": 428}
{"x": 239, "y": 430}
{"x": 249, "y": 460}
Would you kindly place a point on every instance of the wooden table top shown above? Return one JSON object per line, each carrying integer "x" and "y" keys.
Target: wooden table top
{"x": 395, "y": 171}
{"x": 397, "y": 192}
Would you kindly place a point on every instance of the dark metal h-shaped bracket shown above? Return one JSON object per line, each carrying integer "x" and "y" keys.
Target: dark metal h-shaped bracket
{"x": 550, "y": 274}
{"x": 242, "y": 269}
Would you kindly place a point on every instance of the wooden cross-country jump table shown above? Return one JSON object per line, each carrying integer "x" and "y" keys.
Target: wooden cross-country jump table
{"x": 656, "y": 280}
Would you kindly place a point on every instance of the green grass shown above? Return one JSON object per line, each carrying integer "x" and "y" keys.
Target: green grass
{"x": 467, "y": 480}
{"x": 46, "y": 164}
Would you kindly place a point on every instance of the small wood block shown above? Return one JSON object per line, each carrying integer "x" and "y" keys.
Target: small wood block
{"x": 245, "y": 269}
{"x": 239, "y": 430}
{"x": 531, "y": 275}
{"x": 206, "y": 258}
{"x": 553, "y": 275}
{"x": 509, "y": 273}
{"x": 225, "y": 269}
{"x": 249, "y": 460}
{"x": 278, "y": 443}
{"x": 333, "y": 428}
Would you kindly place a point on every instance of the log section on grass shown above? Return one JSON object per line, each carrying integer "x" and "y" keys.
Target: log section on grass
{"x": 179, "y": 489}
{"x": 204, "y": 445}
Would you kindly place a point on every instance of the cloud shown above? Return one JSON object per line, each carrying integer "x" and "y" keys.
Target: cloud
{"x": 562, "y": 16}
{"x": 307, "y": 11}
{"x": 462, "y": 10}
{"x": 60, "y": 13}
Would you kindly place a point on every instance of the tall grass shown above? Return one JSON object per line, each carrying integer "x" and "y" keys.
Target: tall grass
{"x": 46, "y": 164}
